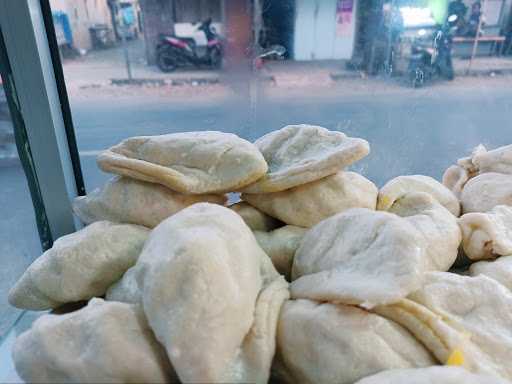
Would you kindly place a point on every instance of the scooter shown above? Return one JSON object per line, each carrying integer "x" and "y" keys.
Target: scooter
{"x": 173, "y": 52}
{"x": 433, "y": 59}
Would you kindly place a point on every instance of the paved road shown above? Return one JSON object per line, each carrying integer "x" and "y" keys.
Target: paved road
{"x": 409, "y": 132}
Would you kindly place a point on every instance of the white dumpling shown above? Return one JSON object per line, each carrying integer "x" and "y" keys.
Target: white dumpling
{"x": 448, "y": 344}
{"x": 499, "y": 270}
{"x": 401, "y": 185}
{"x": 211, "y": 295}
{"x": 487, "y": 235}
{"x": 280, "y": 245}
{"x": 454, "y": 178}
{"x": 469, "y": 164}
{"x": 437, "y": 226}
{"x": 187, "y": 162}
{"x": 431, "y": 375}
{"x": 300, "y": 154}
{"x": 338, "y": 344}
{"x": 125, "y": 200}
{"x": 254, "y": 218}
{"x": 497, "y": 160}
{"x": 104, "y": 342}
{"x": 79, "y": 266}
{"x": 359, "y": 257}
{"x": 482, "y": 308}
{"x": 483, "y": 192}
{"x": 128, "y": 289}
{"x": 470, "y": 325}
{"x": 308, "y": 204}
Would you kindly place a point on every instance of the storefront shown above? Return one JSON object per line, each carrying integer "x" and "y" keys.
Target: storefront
{"x": 324, "y": 29}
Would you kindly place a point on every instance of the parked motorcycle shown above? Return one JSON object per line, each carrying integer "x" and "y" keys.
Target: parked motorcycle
{"x": 433, "y": 58}
{"x": 173, "y": 52}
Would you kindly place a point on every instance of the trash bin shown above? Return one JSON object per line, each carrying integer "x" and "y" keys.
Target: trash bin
{"x": 100, "y": 36}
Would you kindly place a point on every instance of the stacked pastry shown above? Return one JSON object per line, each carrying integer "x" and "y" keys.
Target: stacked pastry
{"x": 484, "y": 183}
{"x": 316, "y": 276}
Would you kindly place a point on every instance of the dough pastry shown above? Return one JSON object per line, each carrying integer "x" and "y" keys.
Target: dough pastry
{"x": 104, "y": 342}
{"x": 308, "y": 204}
{"x": 80, "y": 266}
{"x": 125, "y": 200}
{"x": 189, "y": 162}
{"x": 300, "y": 154}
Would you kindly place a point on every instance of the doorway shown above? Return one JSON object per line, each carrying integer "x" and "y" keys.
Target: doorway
{"x": 279, "y": 23}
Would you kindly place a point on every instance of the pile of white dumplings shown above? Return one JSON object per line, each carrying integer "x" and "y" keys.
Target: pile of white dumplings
{"x": 315, "y": 276}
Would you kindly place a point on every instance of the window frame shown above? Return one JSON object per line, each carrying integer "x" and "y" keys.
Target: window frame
{"x": 43, "y": 127}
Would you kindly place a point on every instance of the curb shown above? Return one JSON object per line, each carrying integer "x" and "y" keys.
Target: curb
{"x": 347, "y": 75}
{"x": 163, "y": 82}
{"x": 458, "y": 73}
{"x": 484, "y": 72}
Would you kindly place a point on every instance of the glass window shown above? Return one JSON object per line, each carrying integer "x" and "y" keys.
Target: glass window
{"x": 424, "y": 81}
{"x": 19, "y": 240}
{"x": 121, "y": 87}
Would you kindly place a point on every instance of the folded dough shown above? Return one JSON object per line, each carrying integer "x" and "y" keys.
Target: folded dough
{"x": 308, "y": 204}
{"x": 126, "y": 200}
{"x": 280, "y": 245}
{"x": 189, "y": 162}
{"x": 438, "y": 227}
{"x": 487, "y": 235}
{"x": 431, "y": 375}
{"x": 469, "y": 164}
{"x": 328, "y": 343}
{"x": 485, "y": 191}
{"x": 254, "y": 218}
{"x": 211, "y": 295}
{"x": 454, "y": 178}
{"x": 79, "y": 266}
{"x": 448, "y": 344}
{"x": 497, "y": 160}
{"x": 359, "y": 257}
{"x": 499, "y": 270}
{"x": 299, "y": 154}
{"x": 462, "y": 320}
{"x": 104, "y": 342}
{"x": 128, "y": 289}
{"x": 399, "y": 186}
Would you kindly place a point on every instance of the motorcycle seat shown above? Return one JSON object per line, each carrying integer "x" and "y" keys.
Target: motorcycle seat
{"x": 189, "y": 40}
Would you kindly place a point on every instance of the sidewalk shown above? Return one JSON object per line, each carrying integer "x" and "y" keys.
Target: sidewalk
{"x": 108, "y": 67}
{"x": 103, "y": 67}
{"x": 484, "y": 66}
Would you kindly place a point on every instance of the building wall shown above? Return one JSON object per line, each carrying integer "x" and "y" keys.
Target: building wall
{"x": 83, "y": 14}
{"x": 177, "y": 17}
{"x": 317, "y": 34}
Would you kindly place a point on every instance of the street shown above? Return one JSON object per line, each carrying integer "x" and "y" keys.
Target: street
{"x": 410, "y": 131}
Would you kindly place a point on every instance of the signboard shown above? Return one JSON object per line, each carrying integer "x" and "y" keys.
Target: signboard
{"x": 344, "y": 13}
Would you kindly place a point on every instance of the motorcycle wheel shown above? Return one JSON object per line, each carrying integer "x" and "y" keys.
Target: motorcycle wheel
{"x": 165, "y": 60}
{"x": 216, "y": 58}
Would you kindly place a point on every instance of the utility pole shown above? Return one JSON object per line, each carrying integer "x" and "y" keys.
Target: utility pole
{"x": 123, "y": 31}
{"x": 478, "y": 29}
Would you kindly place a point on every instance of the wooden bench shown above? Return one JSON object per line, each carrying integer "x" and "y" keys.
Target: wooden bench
{"x": 494, "y": 39}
